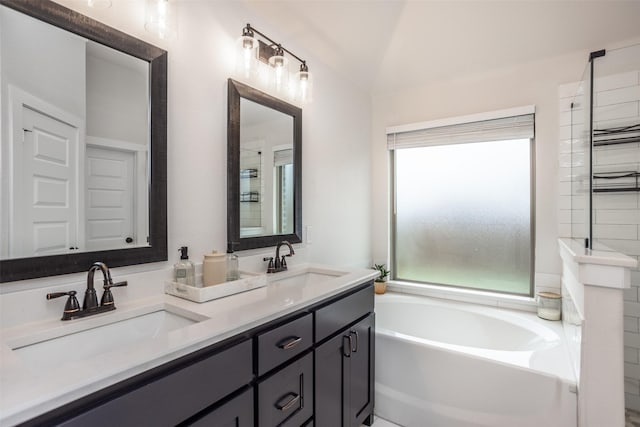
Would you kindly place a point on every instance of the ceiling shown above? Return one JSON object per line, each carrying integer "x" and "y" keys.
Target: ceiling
{"x": 384, "y": 45}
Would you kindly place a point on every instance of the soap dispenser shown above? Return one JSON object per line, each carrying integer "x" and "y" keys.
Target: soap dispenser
{"x": 232, "y": 265}
{"x": 184, "y": 270}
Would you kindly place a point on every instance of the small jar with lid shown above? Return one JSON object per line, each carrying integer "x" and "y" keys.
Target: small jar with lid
{"x": 214, "y": 268}
{"x": 549, "y": 305}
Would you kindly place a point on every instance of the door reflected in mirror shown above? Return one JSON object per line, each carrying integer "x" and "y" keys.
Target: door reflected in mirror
{"x": 266, "y": 171}
{"x": 76, "y": 146}
{"x": 264, "y": 162}
{"x": 83, "y": 158}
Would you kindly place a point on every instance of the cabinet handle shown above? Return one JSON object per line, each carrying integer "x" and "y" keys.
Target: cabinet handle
{"x": 291, "y": 400}
{"x": 354, "y": 349}
{"x": 346, "y": 346}
{"x": 290, "y": 342}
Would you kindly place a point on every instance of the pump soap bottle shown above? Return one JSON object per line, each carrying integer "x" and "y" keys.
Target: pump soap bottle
{"x": 184, "y": 270}
{"x": 232, "y": 265}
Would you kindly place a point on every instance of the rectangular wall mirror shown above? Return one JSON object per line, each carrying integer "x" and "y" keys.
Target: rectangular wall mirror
{"x": 264, "y": 173}
{"x": 83, "y": 143}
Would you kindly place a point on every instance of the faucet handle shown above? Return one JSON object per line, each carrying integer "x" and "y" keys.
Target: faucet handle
{"x": 283, "y": 262}
{"x": 71, "y": 306}
{"x": 107, "y": 296}
{"x": 116, "y": 285}
{"x": 270, "y": 268}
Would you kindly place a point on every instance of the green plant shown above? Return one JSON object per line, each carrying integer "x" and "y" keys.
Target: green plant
{"x": 383, "y": 272}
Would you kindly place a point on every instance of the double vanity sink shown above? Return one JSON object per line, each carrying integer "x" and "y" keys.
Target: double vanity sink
{"x": 49, "y": 364}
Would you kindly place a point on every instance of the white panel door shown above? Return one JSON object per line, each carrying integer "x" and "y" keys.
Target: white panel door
{"x": 110, "y": 204}
{"x": 45, "y": 213}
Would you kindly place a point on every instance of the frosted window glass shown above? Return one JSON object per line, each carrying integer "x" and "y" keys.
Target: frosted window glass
{"x": 463, "y": 215}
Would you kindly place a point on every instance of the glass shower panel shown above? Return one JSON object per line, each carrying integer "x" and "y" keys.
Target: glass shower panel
{"x": 616, "y": 149}
{"x": 580, "y": 158}
{"x": 463, "y": 215}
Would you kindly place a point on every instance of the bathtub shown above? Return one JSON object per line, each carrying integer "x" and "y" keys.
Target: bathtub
{"x": 445, "y": 364}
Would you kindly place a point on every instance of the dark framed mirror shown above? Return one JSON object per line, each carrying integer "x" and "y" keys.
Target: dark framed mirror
{"x": 264, "y": 169}
{"x": 71, "y": 242}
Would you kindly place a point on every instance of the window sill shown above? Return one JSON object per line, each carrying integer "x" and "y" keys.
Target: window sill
{"x": 492, "y": 299}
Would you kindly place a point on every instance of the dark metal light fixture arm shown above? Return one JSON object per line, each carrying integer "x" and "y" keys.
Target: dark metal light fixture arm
{"x": 274, "y": 43}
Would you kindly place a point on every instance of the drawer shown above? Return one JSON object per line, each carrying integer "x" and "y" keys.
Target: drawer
{"x": 286, "y": 398}
{"x": 335, "y": 316}
{"x": 176, "y": 396}
{"x": 237, "y": 413}
{"x": 280, "y": 344}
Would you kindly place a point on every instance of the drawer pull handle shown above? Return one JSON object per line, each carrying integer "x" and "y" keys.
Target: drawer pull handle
{"x": 354, "y": 333}
{"x": 290, "y": 403}
{"x": 346, "y": 346}
{"x": 289, "y": 343}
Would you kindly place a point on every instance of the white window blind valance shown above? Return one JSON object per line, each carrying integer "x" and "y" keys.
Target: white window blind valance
{"x": 495, "y": 129}
{"x": 283, "y": 157}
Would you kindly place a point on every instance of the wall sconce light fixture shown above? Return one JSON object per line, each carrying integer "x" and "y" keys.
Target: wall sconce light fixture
{"x": 267, "y": 63}
{"x": 99, "y": 4}
{"x": 160, "y": 19}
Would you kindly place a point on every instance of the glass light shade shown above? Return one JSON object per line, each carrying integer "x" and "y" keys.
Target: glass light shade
{"x": 246, "y": 56}
{"x": 99, "y": 4}
{"x": 160, "y": 19}
{"x": 280, "y": 73}
{"x": 304, "y": 90}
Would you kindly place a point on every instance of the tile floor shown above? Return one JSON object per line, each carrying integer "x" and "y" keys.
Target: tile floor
{"x": 633, "y": 418}
{"x": 379, "y": 422}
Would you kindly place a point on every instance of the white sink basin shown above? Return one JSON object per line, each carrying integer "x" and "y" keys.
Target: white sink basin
{"x": 105, "y": 335}
{"x": 304, "y": 276}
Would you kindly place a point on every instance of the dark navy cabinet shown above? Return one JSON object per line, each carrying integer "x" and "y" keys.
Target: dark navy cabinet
{"x": 238, "y": 412}
{"x": 313, "y": 367}
{"x": 345, "y": 362}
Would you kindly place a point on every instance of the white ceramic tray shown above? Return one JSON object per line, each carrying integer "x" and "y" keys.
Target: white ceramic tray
{"x": 247, "y": 282}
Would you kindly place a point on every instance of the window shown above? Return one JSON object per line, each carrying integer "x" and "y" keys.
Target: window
{"x": 462, "y": 205}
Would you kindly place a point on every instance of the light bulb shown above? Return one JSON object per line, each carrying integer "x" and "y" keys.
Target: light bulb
{"x": 99, "y": 4}
{"x": 280, "y": 70}
{"x": 305, "y": 84}
{"x": 160, "y": 19}
{"x": 247, "y": 47}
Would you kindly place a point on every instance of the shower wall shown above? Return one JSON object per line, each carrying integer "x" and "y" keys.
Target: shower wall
{"x": 614, "y": 165}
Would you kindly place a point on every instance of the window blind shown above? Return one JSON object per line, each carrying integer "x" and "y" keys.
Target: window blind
{"x": 496, "y": 129}
{"x": 283, "y": 157}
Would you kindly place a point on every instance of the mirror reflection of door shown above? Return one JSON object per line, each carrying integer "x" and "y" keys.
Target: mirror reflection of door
{"x": 110, "y": 201}
{"x": 46, "y": 204}
{"x": 69, "y": 92}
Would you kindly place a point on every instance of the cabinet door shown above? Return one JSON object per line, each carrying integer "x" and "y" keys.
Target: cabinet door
{"x": 329, "y": 370}
{"x": 344, "y": 377}
{"x": 238, "y": 412}
{"x": 361, "y": 368}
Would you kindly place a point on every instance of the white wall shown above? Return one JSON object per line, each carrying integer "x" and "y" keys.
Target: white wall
{"x": 531, "y": 83}
{"x": 43, "y": 61}
{"x": 117, "y": 101}
{"x": 336, "y": 142}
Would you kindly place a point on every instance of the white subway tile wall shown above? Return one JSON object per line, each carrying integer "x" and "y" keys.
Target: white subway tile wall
{"x": 251, "y": 190}
{"x": 616, "y": 216}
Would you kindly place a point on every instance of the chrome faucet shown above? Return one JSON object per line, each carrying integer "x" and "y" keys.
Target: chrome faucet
{"x": 280, "y": 264}
{"x": 90, "y": 304}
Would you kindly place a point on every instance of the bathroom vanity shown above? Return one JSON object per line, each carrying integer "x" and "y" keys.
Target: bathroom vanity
{"x": 299, "y": 351}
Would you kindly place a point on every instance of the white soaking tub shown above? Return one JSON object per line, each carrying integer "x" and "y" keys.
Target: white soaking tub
{"x": 445, "y": 364}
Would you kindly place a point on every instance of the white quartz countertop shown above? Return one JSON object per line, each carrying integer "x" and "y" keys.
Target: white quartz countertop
{"x": 27, "y": 391}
